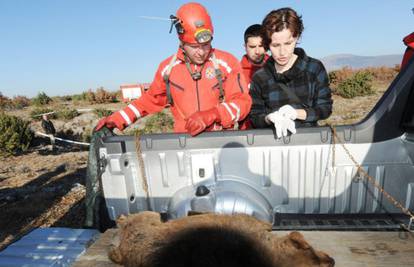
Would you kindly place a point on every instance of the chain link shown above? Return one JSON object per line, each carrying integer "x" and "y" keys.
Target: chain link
{"x": 370, "y": 179}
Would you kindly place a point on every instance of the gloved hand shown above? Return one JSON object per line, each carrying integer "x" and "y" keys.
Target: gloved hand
{"x": 200, "y": 120}
{"x": 114, "y": 120}
{"x": 288, "y": 111}
{"x": 281, "y": 123}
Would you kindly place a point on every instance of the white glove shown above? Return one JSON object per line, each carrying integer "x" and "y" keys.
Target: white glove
{"x": 281, "y": 123}
{"x": 288, "y": 111}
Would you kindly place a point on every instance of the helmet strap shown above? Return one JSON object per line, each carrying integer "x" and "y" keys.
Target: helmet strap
{"x": 195, "y": 75}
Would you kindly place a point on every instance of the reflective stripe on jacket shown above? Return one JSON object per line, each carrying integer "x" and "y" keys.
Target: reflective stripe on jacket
{"x": 190, "y": 96}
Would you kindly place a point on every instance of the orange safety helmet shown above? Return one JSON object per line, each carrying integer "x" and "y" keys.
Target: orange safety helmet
{"x": 193, "y": 24}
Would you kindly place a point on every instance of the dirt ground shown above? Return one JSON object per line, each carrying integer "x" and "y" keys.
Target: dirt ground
{"x": 44, "y": 188}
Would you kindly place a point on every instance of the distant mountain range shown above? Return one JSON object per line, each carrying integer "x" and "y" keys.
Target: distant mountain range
{"x": 339, "y": 61}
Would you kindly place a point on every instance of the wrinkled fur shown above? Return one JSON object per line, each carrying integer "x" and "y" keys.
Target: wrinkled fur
{"x": 209, "y": 240}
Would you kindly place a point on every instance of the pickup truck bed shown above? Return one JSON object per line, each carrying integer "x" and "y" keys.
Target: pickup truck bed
{"x": 357, "y": 249}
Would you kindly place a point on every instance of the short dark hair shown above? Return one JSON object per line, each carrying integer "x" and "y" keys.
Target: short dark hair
{"x": 278, "y": 20}
{"x": 254, "y": 30}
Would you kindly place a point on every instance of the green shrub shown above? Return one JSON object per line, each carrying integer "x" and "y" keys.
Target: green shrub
{"x": 36, "y": 113}
{"x": 79, "y": 97}
{"x": 338, "y": 76}
{"x": 359, "y": 84}
{"x": 41, "y": 99}
{"x": 161, "y": 122}
{"x": 5, "y": 102}
{"x": 67, "y": 114}
{"x": 101, "y": 112}
{"x": 15, "y": 135}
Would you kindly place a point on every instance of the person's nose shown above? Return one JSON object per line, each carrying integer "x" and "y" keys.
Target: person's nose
{"x": 282, "y": 50}
{"x": 200, "y": 51}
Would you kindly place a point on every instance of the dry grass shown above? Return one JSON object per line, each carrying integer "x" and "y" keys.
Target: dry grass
{"x": 349, "y": 111}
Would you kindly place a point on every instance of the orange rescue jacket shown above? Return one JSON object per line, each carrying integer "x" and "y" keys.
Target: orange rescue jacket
{"x": 190, "y": 96}
{"x": 250, "y": 68}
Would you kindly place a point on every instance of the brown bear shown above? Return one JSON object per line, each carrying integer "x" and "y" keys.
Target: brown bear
{"x": 209, "y": 240}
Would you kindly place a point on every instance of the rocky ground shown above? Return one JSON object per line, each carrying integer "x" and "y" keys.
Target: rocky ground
{"x": 43, "y": 188}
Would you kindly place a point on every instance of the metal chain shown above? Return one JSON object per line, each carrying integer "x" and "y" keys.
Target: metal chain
{"x": 141, "y": 165}
{"x": 370, "y": 179}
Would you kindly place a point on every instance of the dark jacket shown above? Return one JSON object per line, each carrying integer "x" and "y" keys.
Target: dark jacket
{"x": 307, "y": 78}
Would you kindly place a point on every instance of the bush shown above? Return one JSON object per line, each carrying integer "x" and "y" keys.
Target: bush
{"x": 65, "y": 98}
{"x": 384, "y": 74}
{"x": 338, "y": 76}
{"x": 36, "y": 113}
{"x": 158, "y": 123}
{"x": 117, "y": 95}
{"x": 360, "y": 84}
{"x": 15, "y": 135}
{"x": 41, "y": 99}
{"x": 101, "y": 112}
{"x": 5, "y": 102}
{"x": 19, "y": 102}
{"x": 67, "y": 114}
{"x": 79, "y": 97}
{"x": 101, "y": 96}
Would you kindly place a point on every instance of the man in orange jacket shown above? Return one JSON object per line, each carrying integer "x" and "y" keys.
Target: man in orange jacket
{"x": 255, "y": 56}
{"x": 253, "y": 60}
{"x": 409, "y": 52}
{"x": 204, "y": 87}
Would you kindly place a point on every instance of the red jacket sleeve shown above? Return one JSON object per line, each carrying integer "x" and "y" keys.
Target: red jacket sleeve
{"x": 237, "y": 101}
{"x": 151, "y": 101}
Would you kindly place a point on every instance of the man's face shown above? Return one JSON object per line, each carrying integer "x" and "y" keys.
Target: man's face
{"x": 282, "y": 46}
{"x": 254, "y": 49}
{"x": 197, "y": 53}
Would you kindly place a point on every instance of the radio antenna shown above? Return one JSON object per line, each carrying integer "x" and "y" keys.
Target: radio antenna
{"x": 154, "y": 18}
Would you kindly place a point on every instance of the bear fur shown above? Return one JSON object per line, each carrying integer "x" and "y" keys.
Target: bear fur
{"x": 208, "y": 240}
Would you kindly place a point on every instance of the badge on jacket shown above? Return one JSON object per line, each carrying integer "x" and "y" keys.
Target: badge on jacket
{"x": 210, "y": 73}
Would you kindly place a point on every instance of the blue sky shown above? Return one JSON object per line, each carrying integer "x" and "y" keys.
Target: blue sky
{"x": 67, "y": 47}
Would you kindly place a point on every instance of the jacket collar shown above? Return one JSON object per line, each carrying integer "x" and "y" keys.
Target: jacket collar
{"x": 180, "y": 54}
{"x": 409, "y": 40}
{"x": 295, "y": 71}
{"x": 247, "y": 64}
